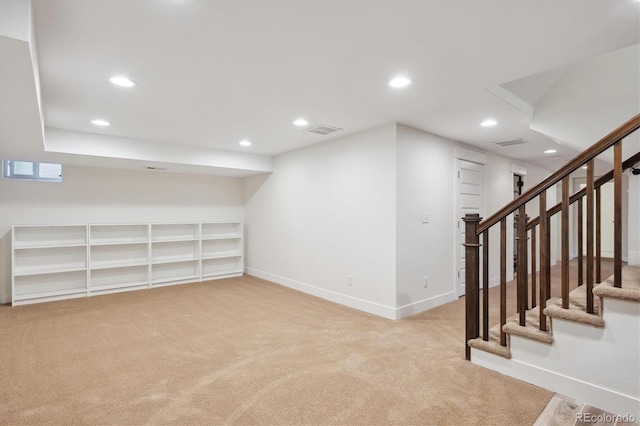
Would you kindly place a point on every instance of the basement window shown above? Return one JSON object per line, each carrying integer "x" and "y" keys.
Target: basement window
{"x": 31, "y": 170}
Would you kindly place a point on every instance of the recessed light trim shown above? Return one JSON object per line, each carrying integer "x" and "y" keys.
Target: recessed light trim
{"x": 244, "y": 142}
{"x": 122, "y": 81}
{"x": 300, "y": 122}
{"x": 488, "y": 123}
{"x": 551, "y": 151}
{"x": 399, "y": 82}
{"x": 100, "y": 122}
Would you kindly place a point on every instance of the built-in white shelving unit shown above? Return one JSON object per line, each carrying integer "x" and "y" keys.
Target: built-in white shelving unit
{"x": 53, "y": 262}
{"x": 221, "y": 248}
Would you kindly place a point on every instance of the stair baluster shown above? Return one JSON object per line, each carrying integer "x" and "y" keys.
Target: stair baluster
{"x": 617, "y": 214}
{"x": 565, "y": 242}
{"x": 590, "y": 220}
{"x": 541, "y": 243}
{"x": 598, "y": 266}
{"x": 485, "y": 285}
{"x": 580, "y": 244}
{"x": 533, "y": 267}
{"x": 544, "y": 259}
{"x": 503, "y": 280}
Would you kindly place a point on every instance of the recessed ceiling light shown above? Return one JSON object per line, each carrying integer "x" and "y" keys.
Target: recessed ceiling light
{"x": 122, "y": 81}
{"x": 300, "y": 122}
{"x": 488, "y": 123}
{"x": 550, "y": 151}
{"x": 100, "y": 122}
{"x": 244, "y": 142}
{"x": 399, "y": 82}
{"x": 586, "y": 167}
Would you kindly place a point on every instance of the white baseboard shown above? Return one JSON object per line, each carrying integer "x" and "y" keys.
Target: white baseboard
{"x": 589, "y": 393}
{"x": 423, "y": 305}
{"x": 354, "y": 302}
{"x": 342, "y": 299}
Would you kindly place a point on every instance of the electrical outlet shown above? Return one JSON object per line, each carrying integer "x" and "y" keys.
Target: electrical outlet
{"x": 349, "y": 280}
{"x": 426, "y": 282}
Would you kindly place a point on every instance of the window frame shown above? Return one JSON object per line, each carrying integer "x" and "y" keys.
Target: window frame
{"x": 9, "y": 173}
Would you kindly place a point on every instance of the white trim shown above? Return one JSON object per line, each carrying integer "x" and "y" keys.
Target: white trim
{"x": 508, "y": 97}
{"x": 423, "y": 305}
{"x": 342, "y": 299}
{"x": 634, "y": 257}
{"x": 469, "y": 155}
{"x": 518, "y": 169}
{"x": 589, "y": 393}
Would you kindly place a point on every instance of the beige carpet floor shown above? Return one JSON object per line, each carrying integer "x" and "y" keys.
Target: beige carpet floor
{"x": 245, "y": 351}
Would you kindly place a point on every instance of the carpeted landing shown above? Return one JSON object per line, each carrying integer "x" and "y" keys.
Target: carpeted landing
{"x": 245, "y": 351}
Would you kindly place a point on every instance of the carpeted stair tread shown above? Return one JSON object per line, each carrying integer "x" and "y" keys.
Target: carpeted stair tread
{"x": 630, "y": 289}
{"x": 492, "y": 345}
{"x": 531, "y": 329}
{"x": 577, "y": 309}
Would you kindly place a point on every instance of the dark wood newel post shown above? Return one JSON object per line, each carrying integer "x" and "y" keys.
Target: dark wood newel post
{"x": 521, "y": 264}
{"x": 472, "y": 280}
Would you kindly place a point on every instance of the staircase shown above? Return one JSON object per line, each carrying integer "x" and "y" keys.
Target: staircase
{"x": 584, "y": 344}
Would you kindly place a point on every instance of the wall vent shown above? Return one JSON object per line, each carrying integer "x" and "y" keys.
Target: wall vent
{"x": 156, "y": 168}
{"x": 323, "y": 129}
{"x": 513, "y": 142}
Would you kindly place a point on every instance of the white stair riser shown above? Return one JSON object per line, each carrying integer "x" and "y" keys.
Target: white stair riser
{"x": 598, "y": 366}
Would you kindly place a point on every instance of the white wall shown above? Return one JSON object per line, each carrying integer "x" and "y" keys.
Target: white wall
{"x": 100, "y": 195}
{"x": 424, "y": 185}
{"x": 328, "y": 211}
{"x": 593, "y": 95}
{"x": 354, "y": 205}
{"x": 534, "y": 176}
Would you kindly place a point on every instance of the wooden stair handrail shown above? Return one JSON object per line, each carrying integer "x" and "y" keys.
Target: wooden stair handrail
{"x": 596, "y": 149}
{"x": 597, "y": 184}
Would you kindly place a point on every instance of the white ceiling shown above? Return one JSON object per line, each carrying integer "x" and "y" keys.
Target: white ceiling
{"x": 211, "y": 73}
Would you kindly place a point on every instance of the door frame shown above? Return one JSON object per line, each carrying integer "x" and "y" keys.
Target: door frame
{"x": 460, "y": 153}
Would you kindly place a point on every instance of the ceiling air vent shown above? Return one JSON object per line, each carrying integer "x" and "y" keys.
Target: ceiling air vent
{"x": 155, "y": 168}
{"x": 323, "y": 129}
{"x": 513, "y": 142}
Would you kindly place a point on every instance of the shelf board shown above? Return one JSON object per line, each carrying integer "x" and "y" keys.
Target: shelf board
{"x": 221, "y": 256}
{"x": 119, "y": 285}
{"x": 173, "y": 240}
{"x": 117, "y": 243}
{"x": 224, "y": 274}
{"x": 47, "y": 245}
{"x": 22, "y": 272}
{"x": 50, "y": 294}
{"x": 109, "y": 265}
{"x": 174, "y": 260}
{"x": 177, "y": 278}
{"x": 221, "y": 237}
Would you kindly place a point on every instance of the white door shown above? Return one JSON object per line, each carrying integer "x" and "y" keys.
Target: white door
{"x": 469, "y": 196}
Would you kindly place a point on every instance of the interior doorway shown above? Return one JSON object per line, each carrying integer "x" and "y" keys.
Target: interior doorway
{"x": 469, "y": 200}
